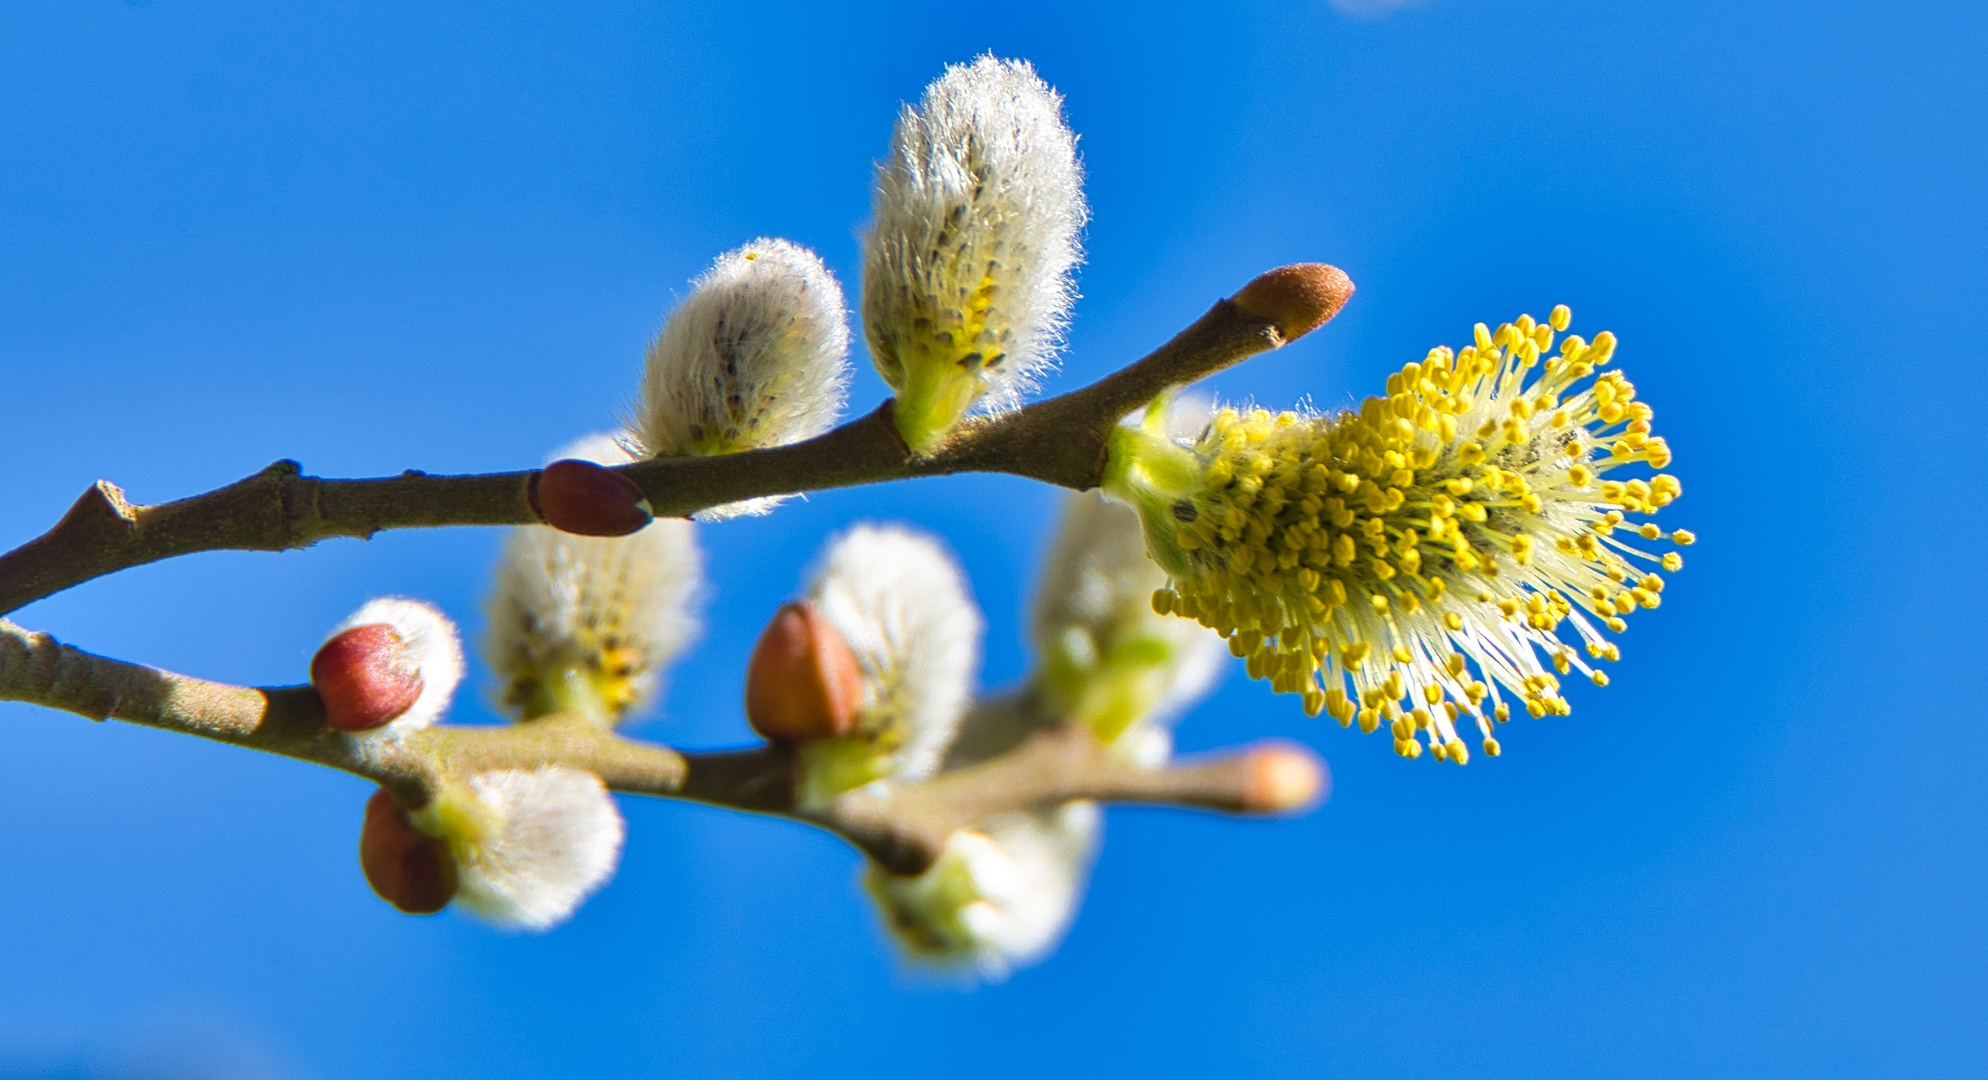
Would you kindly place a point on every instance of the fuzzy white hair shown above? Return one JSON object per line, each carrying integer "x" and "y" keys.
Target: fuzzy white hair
{"x": 539, "y": 842}
{"x": 901, "y": 602}
{"x": 428, "y": 644}
{"x": 1097, "y": 591}
{"x": 1000, "y": 897}
{"x": 618, "y": 609}
{"x": 978, "y": 209}
{"x": 756, "y": 356}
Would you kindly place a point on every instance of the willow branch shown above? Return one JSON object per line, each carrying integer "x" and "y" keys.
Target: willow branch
{"x": 901, "y": 825}
{"x": 1060, "y": 441}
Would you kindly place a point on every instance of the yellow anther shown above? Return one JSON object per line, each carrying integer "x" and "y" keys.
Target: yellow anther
{"x": 1672, "y": 561}
{"x": 1683, "y": 536}
{"x": 1599, "y": 678}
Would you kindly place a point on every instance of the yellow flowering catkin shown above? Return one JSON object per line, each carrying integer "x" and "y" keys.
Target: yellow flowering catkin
{"x": 1411, "y": 563}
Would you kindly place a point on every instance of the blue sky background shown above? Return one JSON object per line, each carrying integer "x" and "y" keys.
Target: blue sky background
{"x": 374, "y": 236}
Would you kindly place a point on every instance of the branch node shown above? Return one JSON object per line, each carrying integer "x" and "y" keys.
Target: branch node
{"x": 101, "y": 509}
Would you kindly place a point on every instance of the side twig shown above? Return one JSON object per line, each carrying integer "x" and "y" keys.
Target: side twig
{"x": 902, "y": 825}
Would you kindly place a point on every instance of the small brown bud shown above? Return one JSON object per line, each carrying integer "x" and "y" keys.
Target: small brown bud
{"x": 406, "y": 867}
{"x": 1283, "y": 778}
{"x": 803, "y": 681}
{"x": 586, "y": 499}
{"x": 364, "y": 679}
{"x": 1298, "y": 298}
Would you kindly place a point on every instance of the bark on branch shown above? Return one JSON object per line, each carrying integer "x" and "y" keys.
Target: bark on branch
{"x": 902, "y": 825}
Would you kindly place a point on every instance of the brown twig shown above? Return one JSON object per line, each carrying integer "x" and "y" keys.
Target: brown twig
{"x": 1059, "y": 441}
{"x": 902, "y": 825}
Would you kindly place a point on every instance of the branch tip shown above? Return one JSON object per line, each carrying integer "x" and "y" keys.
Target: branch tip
{"x": 1283, "y": 778}
{"x": 1298, "y": 298}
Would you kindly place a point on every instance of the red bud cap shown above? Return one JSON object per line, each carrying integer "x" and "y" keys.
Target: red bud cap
{"x": 803, "y": 682}
{"x": 408, "y": 868}
{"x": 1283, "y": 778}
{"x": 365, "y": 678}
{"x": 586, "y": 499}
{"x": 1298, "y": 298}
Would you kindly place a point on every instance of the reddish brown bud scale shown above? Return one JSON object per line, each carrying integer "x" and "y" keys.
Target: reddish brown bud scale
{"x": 406, "y": 867}
{"x": 1283, "y": 778}
{"x": 803, "y": 681}
{"x": 586, "y": 499}
{"x": 362, "y": 679}
{"x": 1298, "y": 298}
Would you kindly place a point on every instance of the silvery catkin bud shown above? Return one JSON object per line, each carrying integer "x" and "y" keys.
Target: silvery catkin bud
{"x": 756, "y": 356}
{"x": 1000, "y": 897}
{"x": 966, "y": 277}
{"x": 901, "y": 604}
{"x": 528, "y": 845}
{"x": 589, "y": 623}
{"x": 1106, "y": 659}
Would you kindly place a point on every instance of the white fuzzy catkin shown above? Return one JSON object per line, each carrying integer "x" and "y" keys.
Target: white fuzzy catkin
{"x": 611, "y": 610}
{"x": 902, "y": 603}
{"x": 966, "y": 278}
{"x": 429, "y": 645}
{"x": 756, "y": 356}
{"x": 1096, "y": 595}
{"x": 531, "y": 844}
{"x": 1000, "y": 897}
